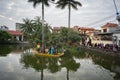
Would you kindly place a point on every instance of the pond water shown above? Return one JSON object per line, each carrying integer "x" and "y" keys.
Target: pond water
{"x": 17, "y": 63}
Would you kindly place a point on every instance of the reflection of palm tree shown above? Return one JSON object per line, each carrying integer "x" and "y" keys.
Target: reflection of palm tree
{"x": 69, "y": 3}
{"x": 70, "y": 64}
{"x": 39, "y": 64}
{"x": 53, "y": 65}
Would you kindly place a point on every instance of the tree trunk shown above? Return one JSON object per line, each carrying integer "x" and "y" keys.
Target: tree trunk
{"x": 67, "y": 74}
{"x": 69, "y": 15}
{"x": 42, "y": 74}
{"x": 43, "y": 26}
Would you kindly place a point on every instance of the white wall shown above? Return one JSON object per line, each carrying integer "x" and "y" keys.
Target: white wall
{"x": 102, "y": 41}
{"x": 111, "y": 29}
{"x": 118, "y": 38}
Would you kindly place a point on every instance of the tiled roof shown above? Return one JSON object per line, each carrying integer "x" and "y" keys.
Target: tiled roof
{"x": 110, "y": 25}
{"x": 57, "y": 28}
{"x": 13, "y": 32}
{"x": 86, "y": 28}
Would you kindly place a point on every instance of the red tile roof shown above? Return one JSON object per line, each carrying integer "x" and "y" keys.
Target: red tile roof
{"x": 13, "y": 32}
{"x": 57, "y": 28}
{"x": 86, "y": 28}
{"x": 110, "y": 25}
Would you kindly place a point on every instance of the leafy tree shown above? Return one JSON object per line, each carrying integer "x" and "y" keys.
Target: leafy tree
{"x": 69, "y": 37}
{"x": 68, "y": 3}
{"x": 4, "y": 36}
{"x": 73, "y": 38}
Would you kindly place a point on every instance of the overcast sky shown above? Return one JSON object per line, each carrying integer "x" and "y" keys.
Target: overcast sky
{"x": 93, "y": 13}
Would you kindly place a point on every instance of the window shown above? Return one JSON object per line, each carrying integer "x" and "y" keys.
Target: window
{"x": 104, "y": 30}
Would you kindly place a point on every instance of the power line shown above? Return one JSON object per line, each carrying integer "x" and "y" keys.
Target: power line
{"x": 99, "y": 21}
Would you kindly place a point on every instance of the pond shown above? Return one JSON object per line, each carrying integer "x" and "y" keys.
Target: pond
{"x": 19, "y": 63}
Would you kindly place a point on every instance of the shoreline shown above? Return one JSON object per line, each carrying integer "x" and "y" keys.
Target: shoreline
{"x": 109, "y": 53}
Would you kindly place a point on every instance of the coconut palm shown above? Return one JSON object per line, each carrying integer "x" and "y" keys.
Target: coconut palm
{"x": 27, "y": 27}
{"x": 46, "y": 3}
{"x": 68, "y": 3}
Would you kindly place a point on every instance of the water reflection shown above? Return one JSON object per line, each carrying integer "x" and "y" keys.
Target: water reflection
{"x": 5, "y": 50}
{"x": 53, "y": 65}
{"x": 18, "y": 64}
{"x": 107, "y": 62}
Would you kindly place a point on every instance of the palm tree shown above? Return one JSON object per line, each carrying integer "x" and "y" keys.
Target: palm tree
{"x": 46, "y": 3}
{"x": 27, "y": 27}
{"x": 69, "y": 3}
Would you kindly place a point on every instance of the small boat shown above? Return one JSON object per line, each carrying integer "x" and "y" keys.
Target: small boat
{"x": 47, "y": 54}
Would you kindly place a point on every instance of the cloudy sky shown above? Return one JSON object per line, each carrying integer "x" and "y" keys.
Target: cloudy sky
{"x": 93, "y": 13}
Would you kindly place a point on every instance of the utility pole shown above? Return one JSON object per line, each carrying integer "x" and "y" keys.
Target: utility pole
{"x": 117, "y": 13}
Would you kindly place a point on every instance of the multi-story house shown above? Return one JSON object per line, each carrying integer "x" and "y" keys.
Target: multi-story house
{"x": 109, "y": 28}
{"x": 106, "y": 34}
{"x": 18, "y": 25}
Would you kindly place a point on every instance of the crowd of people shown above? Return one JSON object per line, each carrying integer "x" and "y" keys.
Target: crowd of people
{"x": 107, "y": 47}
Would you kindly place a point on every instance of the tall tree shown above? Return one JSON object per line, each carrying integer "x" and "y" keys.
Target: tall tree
{"x": 68, "y": 3}
{"x": 46, "y": 3}
{"x": 27, "y": 27}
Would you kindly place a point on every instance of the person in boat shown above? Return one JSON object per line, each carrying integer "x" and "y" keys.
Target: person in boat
{"x": 51, "y": 50}
{"x": 46, "y": 50}
{"x": 38, "y": 47}
{"x": 55, "y": 49}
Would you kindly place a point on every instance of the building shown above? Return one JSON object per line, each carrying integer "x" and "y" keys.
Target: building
{"x": 109, "y": 28}
{"x": 18, "y": 25}
{"x": 4, "y": 28}
{"x": 106, "y": 34}
{"x": 16, "y": 35}
{"x": 85, "y": 30}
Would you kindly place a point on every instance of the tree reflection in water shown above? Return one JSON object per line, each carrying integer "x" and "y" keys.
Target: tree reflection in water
{"x": 4, "y": 50}
{"x": 108, "y": 62}
{"x": 69, "y": 62}
{"x": 51, "y": 64}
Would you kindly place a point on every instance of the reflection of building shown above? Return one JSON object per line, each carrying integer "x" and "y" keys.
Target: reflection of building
{"x": 16, "y": 35}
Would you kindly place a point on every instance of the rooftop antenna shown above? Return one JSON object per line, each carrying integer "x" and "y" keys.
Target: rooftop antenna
{"x": 117, "y": 13}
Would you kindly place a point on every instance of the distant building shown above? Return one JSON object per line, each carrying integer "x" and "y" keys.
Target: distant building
{"x": 109, "y": 27}
{"x": 84, "y": 30}
{"x": 17, "y": 35}
{"x": 18, "y": 25}
{"x": 107, "y": 32}
{"x": 4, "y": 28}
{"x": 57, "y": 29}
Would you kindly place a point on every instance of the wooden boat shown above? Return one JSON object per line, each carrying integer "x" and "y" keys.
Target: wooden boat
{"x": 47, "y": 54}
